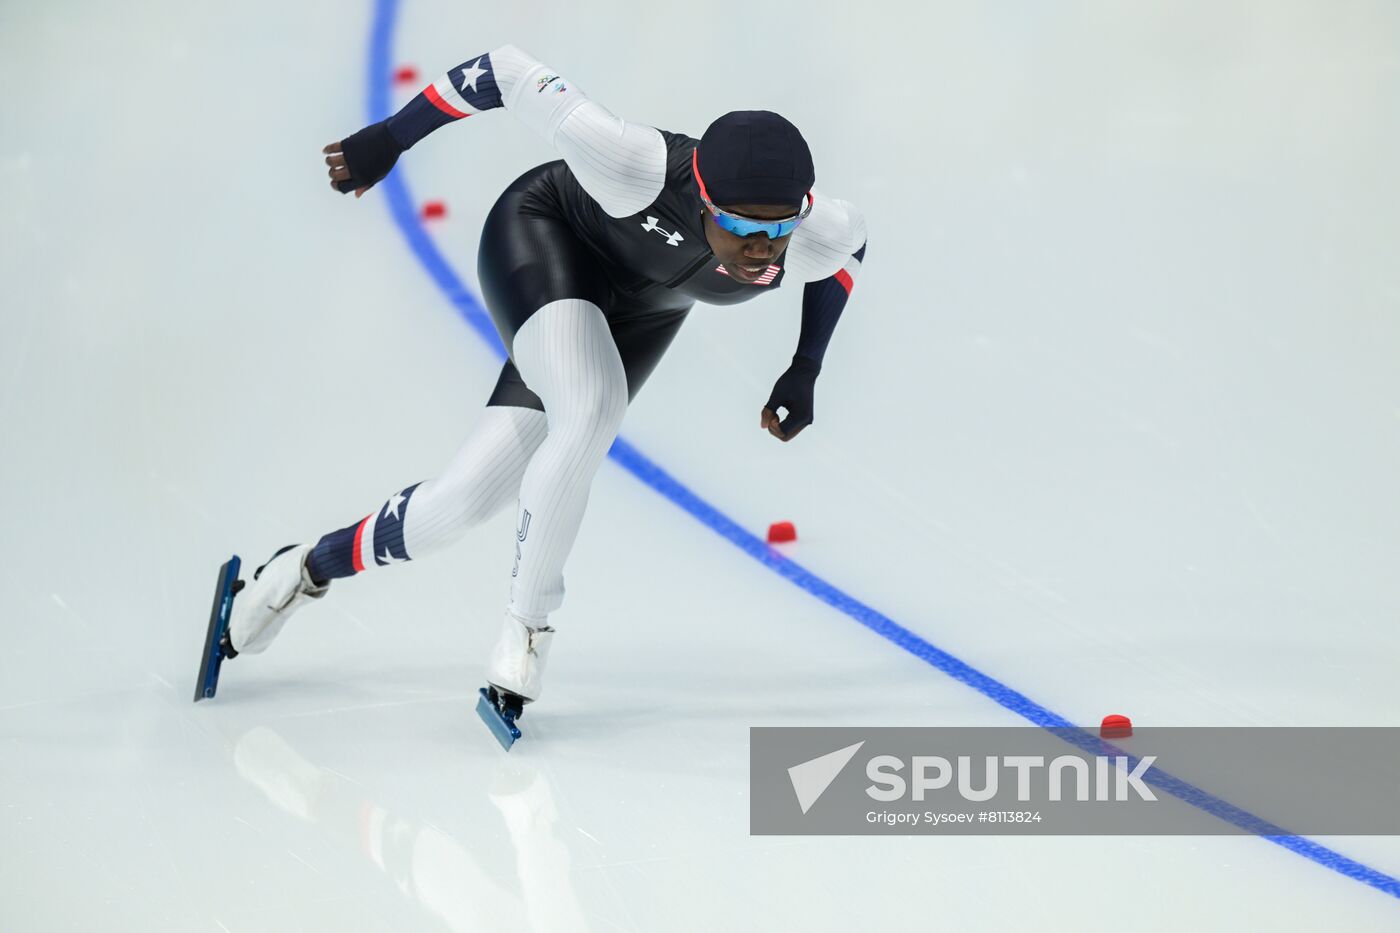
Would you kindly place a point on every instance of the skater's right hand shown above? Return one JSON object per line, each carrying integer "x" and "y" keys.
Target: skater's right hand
{"x": 358, "y": 161}
{"x": 793, "y": 391}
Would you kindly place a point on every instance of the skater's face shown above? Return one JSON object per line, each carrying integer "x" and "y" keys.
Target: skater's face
{"x": 756, "y": 251}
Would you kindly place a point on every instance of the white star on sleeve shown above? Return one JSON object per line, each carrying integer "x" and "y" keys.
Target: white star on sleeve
{"x": 388, "y": 558}
{"x": 470, "y": 73}
{"x": 392, "y": 508}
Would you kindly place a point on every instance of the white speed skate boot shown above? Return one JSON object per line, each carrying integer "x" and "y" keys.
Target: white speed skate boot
{"x": 278, "y": 588}
{"x": 513, "y": 677}
{"x": 517, "y": 661}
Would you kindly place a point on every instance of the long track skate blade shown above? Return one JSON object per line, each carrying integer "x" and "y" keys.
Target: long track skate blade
{"x": 213, "y": 657}
{"x": 502, "y": 728}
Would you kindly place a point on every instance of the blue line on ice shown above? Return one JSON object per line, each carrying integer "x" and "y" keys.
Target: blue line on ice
{"x": 401, "y": 205}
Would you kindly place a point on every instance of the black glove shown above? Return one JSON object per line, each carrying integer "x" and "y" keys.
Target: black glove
{"x": 369, "y": 154}
{"x": 794, "y": 391}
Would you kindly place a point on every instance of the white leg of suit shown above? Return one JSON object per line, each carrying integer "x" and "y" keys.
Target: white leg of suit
{"x": 566, "y": 355}
{"x": 483, "y": 478}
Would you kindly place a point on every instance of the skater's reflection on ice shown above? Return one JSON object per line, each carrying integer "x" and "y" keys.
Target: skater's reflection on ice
{"x": 423, "y": 861}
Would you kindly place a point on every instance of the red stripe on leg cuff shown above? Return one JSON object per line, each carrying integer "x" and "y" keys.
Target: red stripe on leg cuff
{"x": 355, "y": 560}
{"x": 844, "y": 278}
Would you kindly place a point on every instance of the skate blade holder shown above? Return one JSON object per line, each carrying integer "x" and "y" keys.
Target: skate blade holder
{"x": 500, "y": 721}
{"x": 212, "y": 660}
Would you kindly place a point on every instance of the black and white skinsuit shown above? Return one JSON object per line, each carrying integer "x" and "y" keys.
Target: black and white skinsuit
{"x": 588, "y": 265}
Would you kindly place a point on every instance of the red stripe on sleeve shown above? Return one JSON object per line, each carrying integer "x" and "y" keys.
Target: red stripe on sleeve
{"x": 436, "y": 100}
{"x": 355, "y": 559}
{"x": 844, "y": 278}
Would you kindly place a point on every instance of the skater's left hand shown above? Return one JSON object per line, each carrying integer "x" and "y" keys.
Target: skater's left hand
{"x": 360, "y": 160}
{"x": 794, "y": 391}
{"x": 338, "y": 170}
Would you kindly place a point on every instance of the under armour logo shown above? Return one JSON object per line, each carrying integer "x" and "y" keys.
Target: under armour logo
{"x": 672, "y": 239}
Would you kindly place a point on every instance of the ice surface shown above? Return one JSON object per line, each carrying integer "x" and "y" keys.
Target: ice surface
{"x": 1113, "y": 416}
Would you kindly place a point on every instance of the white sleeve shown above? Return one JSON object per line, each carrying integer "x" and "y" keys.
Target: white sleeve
{"x": 621, "y": 165}
{"x": 824, "y": 242}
